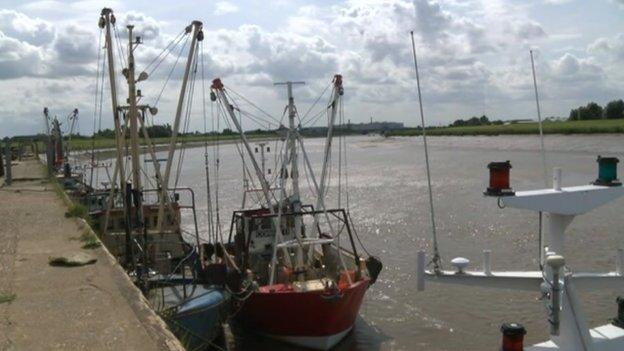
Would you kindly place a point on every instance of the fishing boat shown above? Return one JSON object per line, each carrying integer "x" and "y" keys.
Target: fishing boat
{"x": 296, "y": 282}
{"x": 142, "y": 226}
{"x": 59, "y": 153}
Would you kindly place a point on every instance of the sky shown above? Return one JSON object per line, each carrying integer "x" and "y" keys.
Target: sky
{"x": 473, "y": 56}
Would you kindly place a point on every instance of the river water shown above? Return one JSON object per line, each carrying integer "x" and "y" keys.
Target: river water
{"x": 389, "y": 204}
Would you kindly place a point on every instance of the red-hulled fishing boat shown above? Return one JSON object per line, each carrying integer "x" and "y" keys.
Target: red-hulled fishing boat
{"x": 296, "y": 282}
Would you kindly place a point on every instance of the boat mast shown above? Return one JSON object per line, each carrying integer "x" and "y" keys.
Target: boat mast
{"x": 294, "y": 171}
{"x": 218, "y": 89}
{"x": 330, "y": 134}
{"x": 109, "y": 18}
{"x": 196, "y": 28}
{"x": 105, "y": 21}
{"x": 132, "y": 113}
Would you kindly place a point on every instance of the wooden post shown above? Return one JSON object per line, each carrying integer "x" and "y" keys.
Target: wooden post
{"x": 7, "y": 155}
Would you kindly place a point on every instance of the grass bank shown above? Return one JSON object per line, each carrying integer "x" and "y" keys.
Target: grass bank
{"x": 82, "y": 144}
{"x": 550, "y": 127}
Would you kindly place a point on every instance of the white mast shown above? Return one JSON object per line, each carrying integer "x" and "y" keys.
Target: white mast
{"x": 106, "y": 19}
{"x": 217, "y": 87}
{"x": 109, "y": 19}
{"x": 132, "y": 112}
{"x": 539, "y": 119}
{"x": 195, "y": 27}
{"x": 330, "y": 134}
{"x": 294, "y": 171}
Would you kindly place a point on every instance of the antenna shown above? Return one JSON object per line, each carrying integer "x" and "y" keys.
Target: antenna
{"x": 436, "y": 253}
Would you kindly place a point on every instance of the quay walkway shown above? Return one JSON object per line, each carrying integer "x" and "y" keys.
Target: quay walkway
{"x": 92, "y": 307}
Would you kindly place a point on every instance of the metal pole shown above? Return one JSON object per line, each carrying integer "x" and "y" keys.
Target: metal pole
{"x": 195, "y": 27}
{"x": 7, "y": 154}
{"x": 436, "y": 253}
{"x": 539, "y": 119}
{"x": 107, "y": 14}
{"x": 133, "y": 115}
{"x": 294, "y": 174}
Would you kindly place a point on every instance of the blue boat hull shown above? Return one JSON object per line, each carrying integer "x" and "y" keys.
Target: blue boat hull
{"x": 197, "y": 321}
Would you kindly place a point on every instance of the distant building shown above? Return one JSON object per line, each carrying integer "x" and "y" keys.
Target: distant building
{"x": 351, "y": 128}
{"x": 375, "y": 126}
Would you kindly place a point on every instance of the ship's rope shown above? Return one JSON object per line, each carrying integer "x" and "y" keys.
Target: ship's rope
{"x": 301, "y": 121}
{"x": 120, "y": 49}
{"x": 230, "y": 90}
{"x": 158, "y": 60}
{"x": 155, "y": 103}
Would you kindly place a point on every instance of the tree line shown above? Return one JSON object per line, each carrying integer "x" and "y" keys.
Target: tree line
{"x": 613, "y": 110}
{"x": 475, "y": 121}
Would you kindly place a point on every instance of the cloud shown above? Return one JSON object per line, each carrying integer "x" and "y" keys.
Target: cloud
{"x": 224, "y": 7}
{"x": 469, "y": 51}
{"x": 144, "y": 26}
{"x": 18, "y": 58}
{"x": 613, "y": 48}
{"x": 34, "y": 31}
{"x": 528, "y": 30}
{"x": 75, "y": 45}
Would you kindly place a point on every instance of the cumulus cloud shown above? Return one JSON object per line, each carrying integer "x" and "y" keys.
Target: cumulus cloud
{"x": 468, "y": 49}
{"x": 224, "y": 7}
{"x": 145, "y": 27}
{"x": 528, "y": 30}
{"x": 75, "y": 45}
{"x": 34, "y": 31}
{"x": 613, "y": 47}
{"x": 18, "y": 58}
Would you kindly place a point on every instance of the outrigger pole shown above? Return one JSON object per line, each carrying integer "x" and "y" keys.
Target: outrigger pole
{"x": 436, "y": 253}
{"x": 218, "y": 89}
{"x": 196, "y": 28}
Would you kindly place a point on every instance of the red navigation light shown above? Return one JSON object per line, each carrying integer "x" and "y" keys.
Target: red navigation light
{"x": 499, "y": 179}
{"x": 513, "y": 336}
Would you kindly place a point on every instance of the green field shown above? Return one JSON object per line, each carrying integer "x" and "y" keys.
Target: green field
{"x": 99, "y": 143}
{"x": 563, "y": 127}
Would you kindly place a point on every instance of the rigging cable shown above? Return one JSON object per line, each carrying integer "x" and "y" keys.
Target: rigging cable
{"x": 95, "y": 107}
{"x": 170, "y": 72}
{"x": 436, "y": 253}
{"x": 164, "y": 53}
{"x": 315, "y": 102}
{"x": 206, "y": 161}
